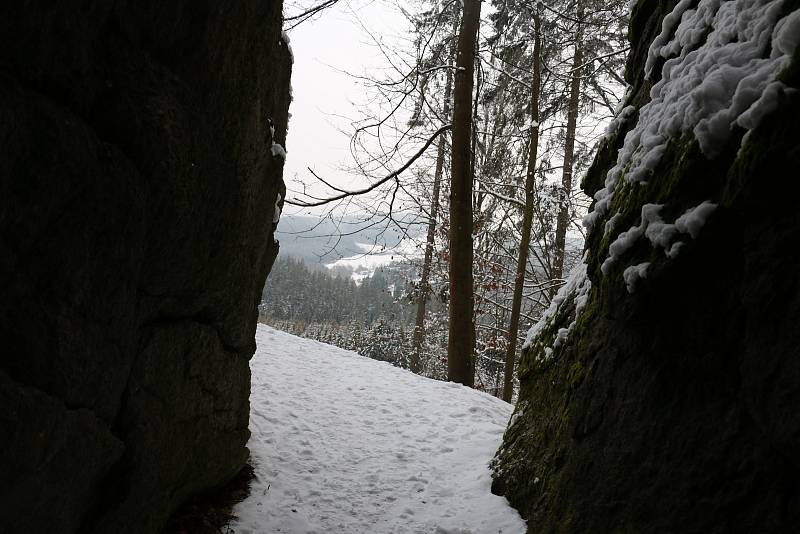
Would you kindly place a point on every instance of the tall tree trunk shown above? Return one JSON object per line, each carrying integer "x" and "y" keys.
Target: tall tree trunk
{"x": 461, "y": 326}
{"x": 569, "y": 152}
{"x": 527, "y": 216}
{"x": 424, "y": 283}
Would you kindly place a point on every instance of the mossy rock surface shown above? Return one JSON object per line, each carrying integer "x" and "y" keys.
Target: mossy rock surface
{"x": 675, "y": 408}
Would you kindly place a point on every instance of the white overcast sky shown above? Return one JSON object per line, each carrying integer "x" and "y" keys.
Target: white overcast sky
{"x": 324, "y": 96}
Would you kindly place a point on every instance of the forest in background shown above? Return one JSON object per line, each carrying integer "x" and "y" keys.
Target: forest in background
{"x": 510, "y": 102}
{"x": 376, "y": 316}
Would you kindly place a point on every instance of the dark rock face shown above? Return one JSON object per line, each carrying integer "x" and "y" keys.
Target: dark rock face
{"x": 137, "y": 194}
{"x": 675, "y": 407}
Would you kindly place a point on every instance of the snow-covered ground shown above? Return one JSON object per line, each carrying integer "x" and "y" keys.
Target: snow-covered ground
{"x": 345, "y": 444}
{"x": 364, "y": 265}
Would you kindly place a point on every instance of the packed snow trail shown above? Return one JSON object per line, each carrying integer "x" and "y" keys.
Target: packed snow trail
{"x": 344, "y": 444}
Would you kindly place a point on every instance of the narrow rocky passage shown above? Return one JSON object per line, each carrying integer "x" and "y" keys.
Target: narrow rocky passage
{"x": 344, "y": 444}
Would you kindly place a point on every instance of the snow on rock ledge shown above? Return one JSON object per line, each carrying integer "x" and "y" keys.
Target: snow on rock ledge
{"x": 660, "y": 392}
{"x": 719, "y": 64}
{"x": 710, "y": 82}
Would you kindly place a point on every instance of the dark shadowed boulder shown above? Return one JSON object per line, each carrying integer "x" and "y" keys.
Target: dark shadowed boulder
{"x": 661, "y": 392}
{"x": 138, "y": 187}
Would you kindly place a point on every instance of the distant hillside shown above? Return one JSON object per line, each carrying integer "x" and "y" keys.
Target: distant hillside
{"x": 324, "y": 241}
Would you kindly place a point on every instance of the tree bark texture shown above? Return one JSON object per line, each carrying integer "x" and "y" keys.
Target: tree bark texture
{"x": 461, "y": 338}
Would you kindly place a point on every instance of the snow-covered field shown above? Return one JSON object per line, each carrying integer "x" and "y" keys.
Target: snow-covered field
{"x": 373, "y": 257}
{"x": 345, "y": 444}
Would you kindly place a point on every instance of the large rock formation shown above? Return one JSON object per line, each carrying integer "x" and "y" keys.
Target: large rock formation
{"x": 138, "y": 184}
{"x": 661, "y": 392}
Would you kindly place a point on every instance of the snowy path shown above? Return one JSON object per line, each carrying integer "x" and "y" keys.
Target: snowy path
{"x": 345, "y": 444}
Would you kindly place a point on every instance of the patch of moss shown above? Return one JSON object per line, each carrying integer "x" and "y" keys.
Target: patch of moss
{"x": 683, "y": 179}
{"x": 575, "y": 374}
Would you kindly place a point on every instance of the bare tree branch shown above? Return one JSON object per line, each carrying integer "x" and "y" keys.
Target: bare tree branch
{"x": 391, "y": 176}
